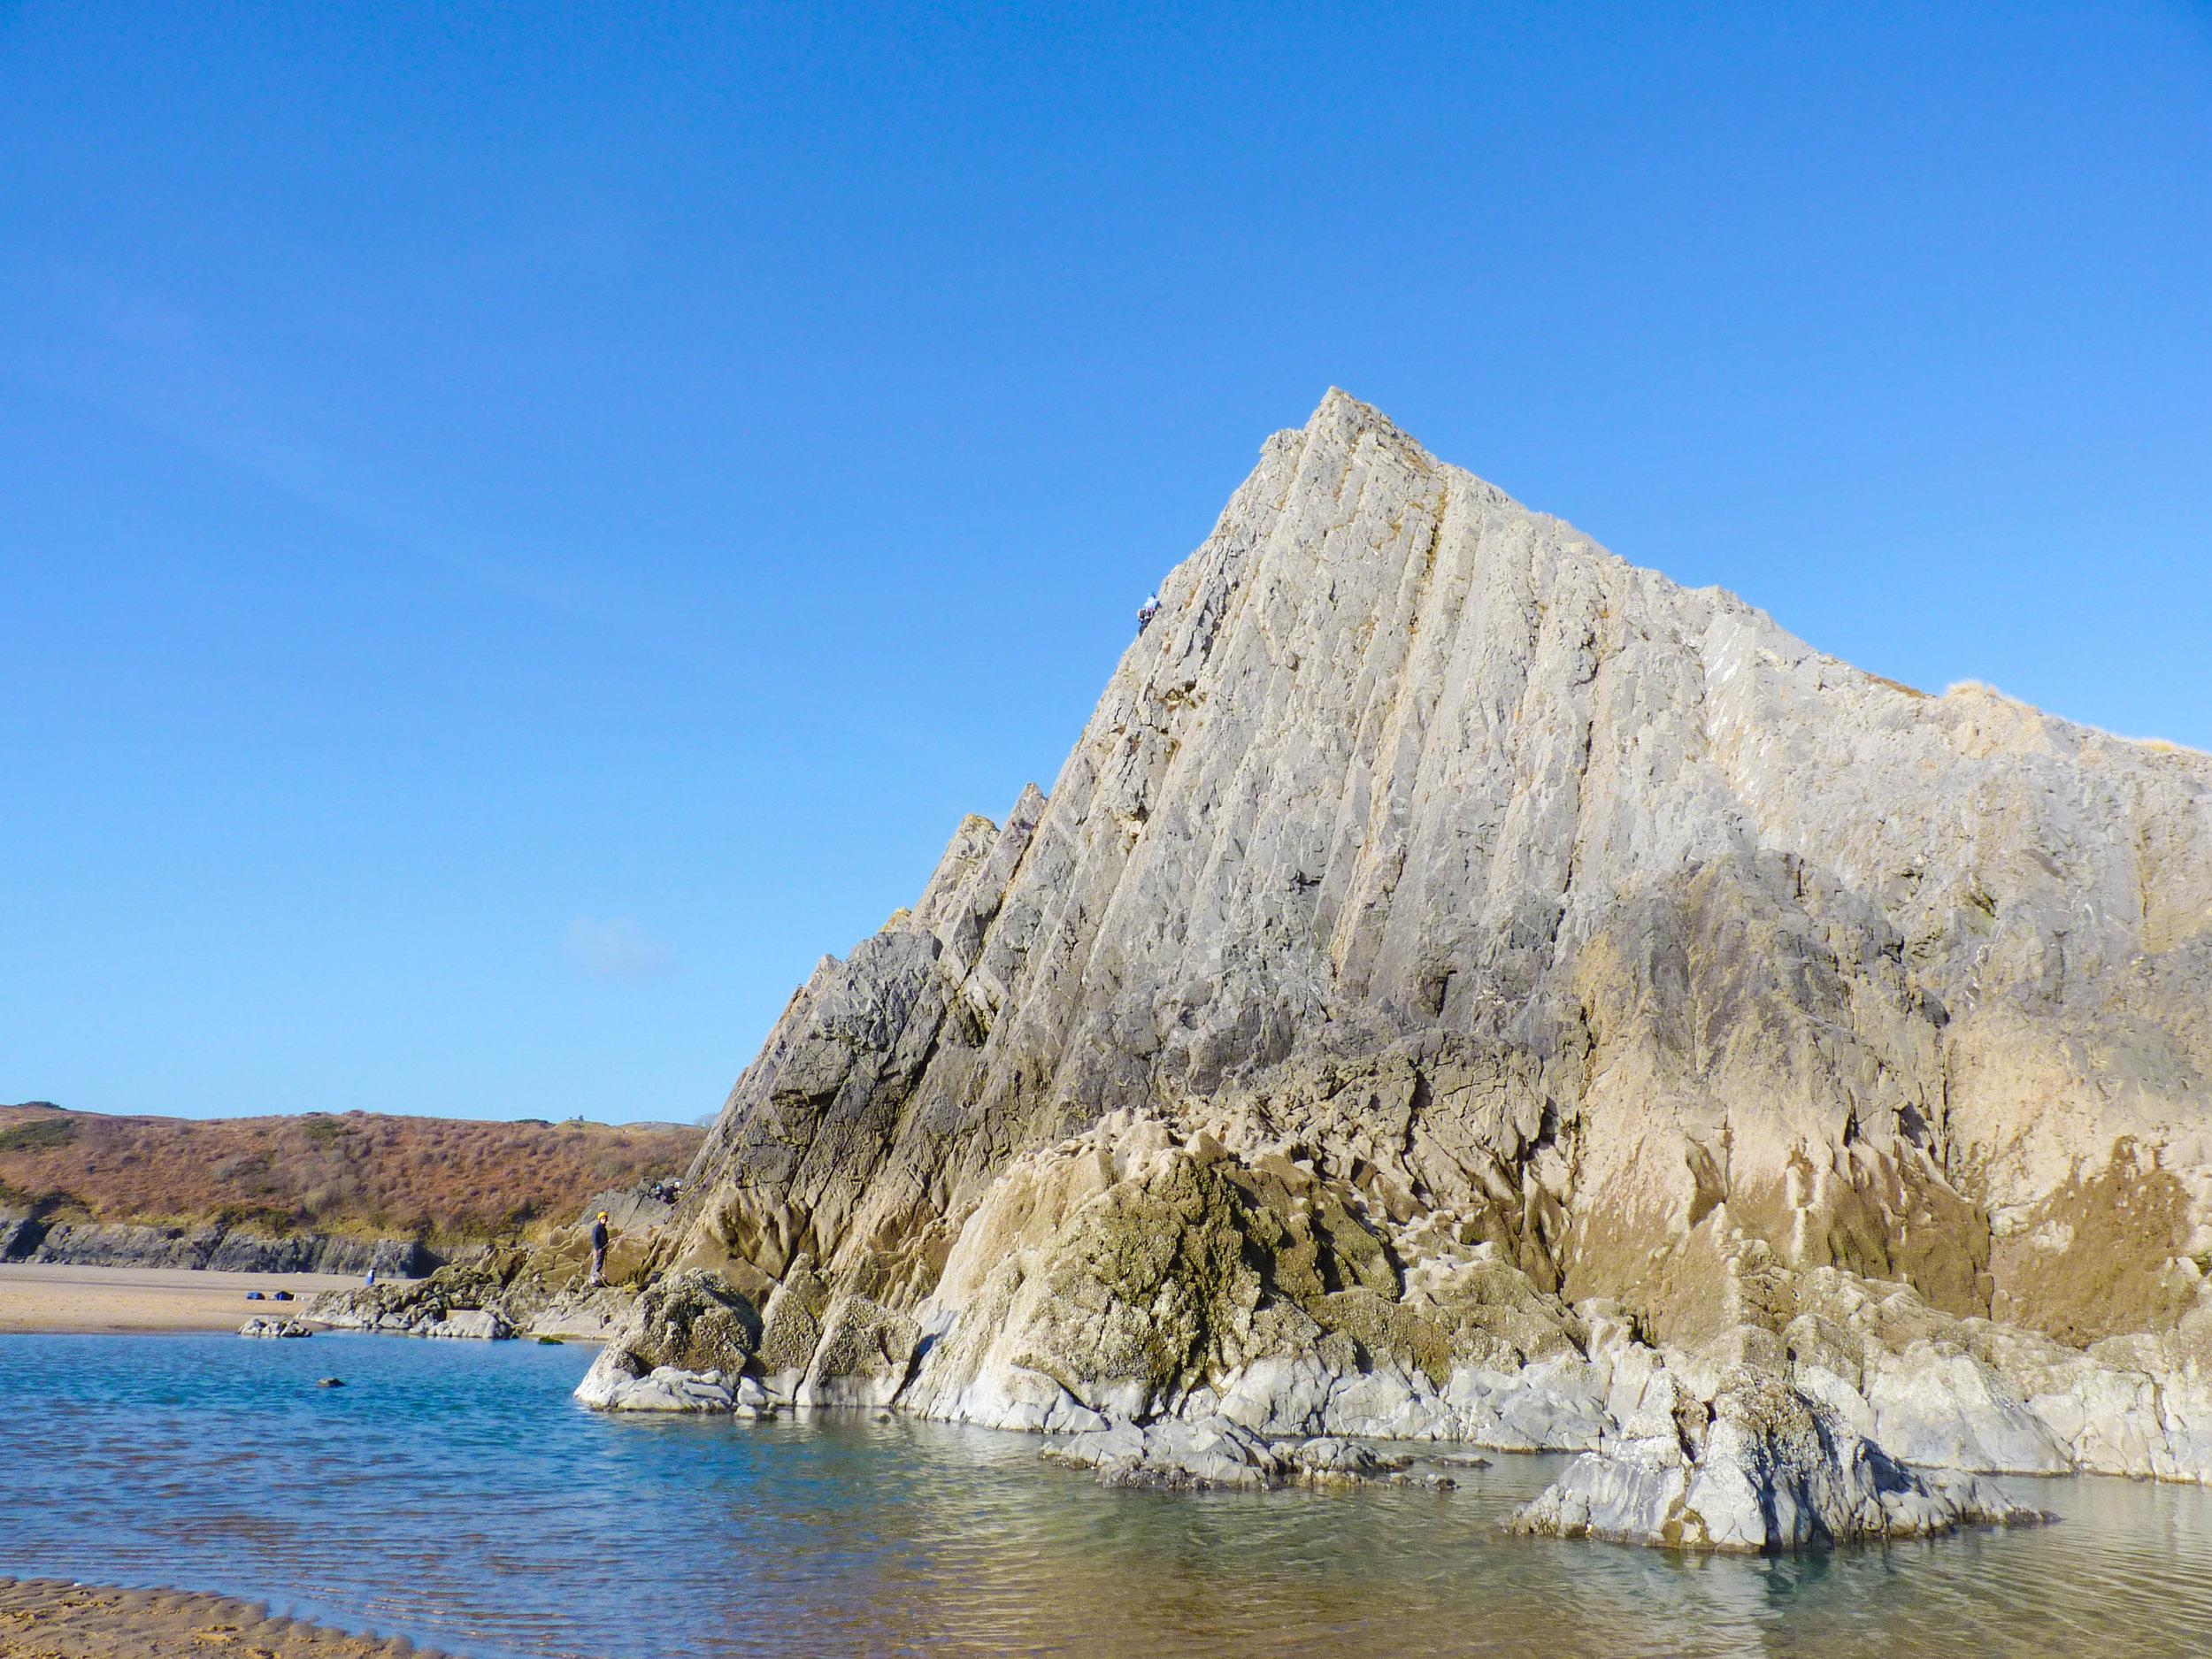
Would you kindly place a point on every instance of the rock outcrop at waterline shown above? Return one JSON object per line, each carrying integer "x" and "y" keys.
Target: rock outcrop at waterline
{"x": 1770, "y": 1472}
{"x": 507, "y": 1292}
{"x": 1458, "y": 975}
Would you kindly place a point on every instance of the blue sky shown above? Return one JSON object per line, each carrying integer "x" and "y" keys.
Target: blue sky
{"x": 522, "y": 526}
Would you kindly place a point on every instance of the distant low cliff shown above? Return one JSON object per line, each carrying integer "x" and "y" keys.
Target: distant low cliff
{"x": 311, "y": 1194}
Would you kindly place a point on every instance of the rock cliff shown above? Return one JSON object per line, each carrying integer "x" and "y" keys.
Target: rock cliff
{"x": 1460, "y": 981}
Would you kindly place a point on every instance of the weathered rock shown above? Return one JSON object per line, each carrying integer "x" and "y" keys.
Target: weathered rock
{"x": 686, "y": 1323}
{"x": 863, "y": 1358}
{"x": 791, "y": 1323}
{"x": 588, "y": 1313}
{"x": 240, "y": 1251}
{"x": 534, "y": 1291}
{"x": 664, "y": 1388}
{"x": 481, "y": 1323}
{"x": 627, "y": 1209}
{"x": 1211, "y": 1452}
{"x": 1330, "y": 1455}
{"x": 693, "y": 1320}
{"x": 1512, "y": 884}
{"x": 262, "y": 1324}
{"x": 1440, "y": 923}
{"x": 1763, "y": 1469}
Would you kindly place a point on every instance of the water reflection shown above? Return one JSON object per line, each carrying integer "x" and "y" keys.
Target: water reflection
{"x": 452, "y": 1493}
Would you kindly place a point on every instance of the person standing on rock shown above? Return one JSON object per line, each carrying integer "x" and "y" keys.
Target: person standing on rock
{"x": 1149, "y": 609}
{"x": 599, "y": 1250}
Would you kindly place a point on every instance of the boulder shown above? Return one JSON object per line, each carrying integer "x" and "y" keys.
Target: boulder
{"x": 688, "y": 1323}
{"x": 480, "y": 1324}
{"x": 262, "y": 1325}
{"x": 519, "y": 1287}
{"x": 1763, "y": 1469}
{"x": 668, "y": 1388}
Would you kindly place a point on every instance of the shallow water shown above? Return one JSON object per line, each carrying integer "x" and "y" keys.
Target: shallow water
{"x": 452, "y": 1493}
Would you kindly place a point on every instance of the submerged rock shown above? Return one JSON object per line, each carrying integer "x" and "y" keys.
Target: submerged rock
{"x": 1213, "y": 1453}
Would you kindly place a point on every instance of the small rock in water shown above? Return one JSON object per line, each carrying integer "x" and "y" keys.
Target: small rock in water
{"x": 1428, "y": 1480}
{"x": 549, "y": 1341}
{"x": 330, "y": 1382}
{"x": 264, "y": 1324}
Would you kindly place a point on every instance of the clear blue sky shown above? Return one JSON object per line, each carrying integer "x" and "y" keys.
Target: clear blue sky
{"x": 522, "y": 526}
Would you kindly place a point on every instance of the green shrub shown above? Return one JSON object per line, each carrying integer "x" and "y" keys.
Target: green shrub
{"x": 41, "y": 1134}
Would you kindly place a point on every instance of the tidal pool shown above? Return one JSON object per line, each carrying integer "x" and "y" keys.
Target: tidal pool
{"x": 452, "y": 1493}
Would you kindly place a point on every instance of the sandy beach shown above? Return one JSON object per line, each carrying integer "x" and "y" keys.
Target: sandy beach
{"x": 39, "y": 1296}
{"x": 45, "y": 1618}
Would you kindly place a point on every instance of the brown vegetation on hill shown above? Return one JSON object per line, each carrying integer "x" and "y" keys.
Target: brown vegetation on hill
{"x": 431, "y": 1177}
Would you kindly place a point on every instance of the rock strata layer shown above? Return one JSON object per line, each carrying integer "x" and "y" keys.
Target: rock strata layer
{"x": 1462, "y": 987}
{"x": 223, "y": 1250}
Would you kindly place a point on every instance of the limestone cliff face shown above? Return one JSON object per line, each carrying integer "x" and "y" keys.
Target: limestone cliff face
{"x": 1466, "y": 883}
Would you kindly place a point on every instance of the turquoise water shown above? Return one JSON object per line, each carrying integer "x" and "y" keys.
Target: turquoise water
{"x": 452, "y": 1493}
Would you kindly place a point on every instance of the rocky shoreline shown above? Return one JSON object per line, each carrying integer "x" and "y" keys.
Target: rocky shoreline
{"x": 1827, "y": 1407}
{"x": 508, "y": 1292}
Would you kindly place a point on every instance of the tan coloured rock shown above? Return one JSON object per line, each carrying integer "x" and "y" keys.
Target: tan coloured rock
{"x": 1441, "y": 922}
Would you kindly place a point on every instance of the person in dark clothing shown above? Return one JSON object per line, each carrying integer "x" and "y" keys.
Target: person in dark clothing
{"x": 599, "y": 1250}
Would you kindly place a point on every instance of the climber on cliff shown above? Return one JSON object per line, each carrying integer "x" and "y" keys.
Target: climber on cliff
{"x": 1146, "y": 611}
{"x": 599, "y": 1250}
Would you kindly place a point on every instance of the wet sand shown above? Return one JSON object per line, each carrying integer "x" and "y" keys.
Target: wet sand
{"x": 45, "y": 1618}
{"x": 40, "y": 1296}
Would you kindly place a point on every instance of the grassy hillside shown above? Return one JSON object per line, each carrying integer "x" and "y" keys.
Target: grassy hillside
{"x": 430, "y": 1178}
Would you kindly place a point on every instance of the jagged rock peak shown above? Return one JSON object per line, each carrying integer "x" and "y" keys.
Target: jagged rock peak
{"x": 1520, "y": 894}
